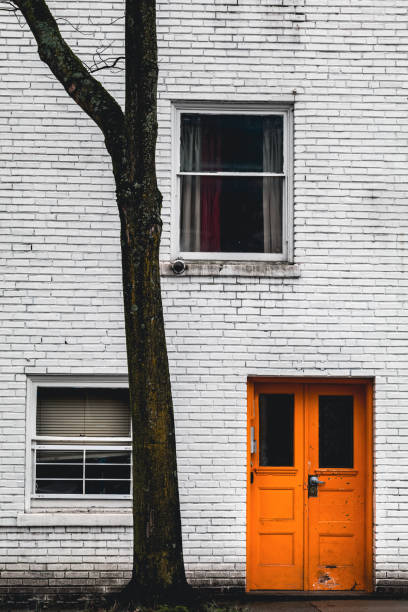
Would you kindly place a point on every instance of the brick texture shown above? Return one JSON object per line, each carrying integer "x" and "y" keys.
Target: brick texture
{"x": 346, "y": 315}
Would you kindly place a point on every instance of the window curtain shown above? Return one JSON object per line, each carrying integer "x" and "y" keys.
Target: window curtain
{"x": 190, "y": 186}
{"x": 272, "y": 187}
{"x": 210, "y": 235}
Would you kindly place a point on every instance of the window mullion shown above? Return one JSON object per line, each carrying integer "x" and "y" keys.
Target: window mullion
{"x": 35, "y": 471}
{"x": 83, "y": 472}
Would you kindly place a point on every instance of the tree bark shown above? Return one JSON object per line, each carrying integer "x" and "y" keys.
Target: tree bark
{"x": 158, "y": 570}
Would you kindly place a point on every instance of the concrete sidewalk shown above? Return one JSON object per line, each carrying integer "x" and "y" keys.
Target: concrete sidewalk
{"x": 329, "y": 605}
{"x": 264, "y": 604}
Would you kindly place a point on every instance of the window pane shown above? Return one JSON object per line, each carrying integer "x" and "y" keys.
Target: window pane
{"x": 107, "y": 487}
{"x": 45, "y": 470}
{"x": 276, "y": 429}
{"x": 231, "y": 214}
{"x": 108, "y": 457}
{"x": 57, "y": 456}
{"x": 117, "y": 472}
{"x": 336, "y": 431}
{"x": 231, "y": 143}
{"x": 61, "y": 487}
{"x": 61, "y": 472}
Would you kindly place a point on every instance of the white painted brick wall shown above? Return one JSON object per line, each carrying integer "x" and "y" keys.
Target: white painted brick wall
{"x": 345, "y": 315}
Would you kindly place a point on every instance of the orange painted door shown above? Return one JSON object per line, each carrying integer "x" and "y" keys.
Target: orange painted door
{"x": 336, "y": 454}
{"x": 276, "y": 485}
{"x": 307, "y": 487}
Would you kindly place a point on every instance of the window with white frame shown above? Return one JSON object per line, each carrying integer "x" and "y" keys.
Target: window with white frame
{"x": 233, "y": 183}
{"x": 82, "y": 443}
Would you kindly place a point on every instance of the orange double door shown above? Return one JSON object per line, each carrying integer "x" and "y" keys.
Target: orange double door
{"x": 309, "y": 486}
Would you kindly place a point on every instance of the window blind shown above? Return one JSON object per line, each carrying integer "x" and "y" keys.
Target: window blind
{"x": 83, "y": 412}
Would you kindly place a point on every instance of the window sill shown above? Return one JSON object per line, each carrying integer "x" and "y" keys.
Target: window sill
{"x": 79, "y": 519}
{"x": 233, "y": 268}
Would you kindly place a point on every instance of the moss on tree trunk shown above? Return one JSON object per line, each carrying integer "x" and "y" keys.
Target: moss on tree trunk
{"x": 158, "y": 571}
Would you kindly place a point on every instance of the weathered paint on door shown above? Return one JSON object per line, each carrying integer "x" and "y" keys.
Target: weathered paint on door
{"x": 305, "y": 536}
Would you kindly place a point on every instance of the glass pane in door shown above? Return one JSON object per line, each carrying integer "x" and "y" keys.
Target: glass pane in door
{"x": 336, "y": 431}
{"x": 276, "y": 411}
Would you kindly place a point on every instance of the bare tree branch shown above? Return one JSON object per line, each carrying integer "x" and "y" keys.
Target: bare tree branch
{"x": 73, "y": 26}
{"x": 98, "y": 61}
{"x": 90, "y": 21}
{"x": 105, "y": 65}
{"x": 8, "y": 7}
{"x": 76, "y": 79}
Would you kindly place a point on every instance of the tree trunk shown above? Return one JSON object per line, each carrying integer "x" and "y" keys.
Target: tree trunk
{"x": 158, "y": 572}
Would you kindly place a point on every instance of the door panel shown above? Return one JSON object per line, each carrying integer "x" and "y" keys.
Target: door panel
{"x": 276, "y": 556}
{"x": 301, "y": 536}
{"x": 336, "y": 515}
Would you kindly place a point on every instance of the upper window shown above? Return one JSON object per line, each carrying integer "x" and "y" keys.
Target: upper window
{"x": 233, "y": 185}
{"x": 81, "y": 445}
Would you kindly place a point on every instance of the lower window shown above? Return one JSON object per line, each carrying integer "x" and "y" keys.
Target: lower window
{"x": 82, "y": 443}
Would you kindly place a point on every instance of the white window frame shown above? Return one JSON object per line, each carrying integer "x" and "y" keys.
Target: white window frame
{"x": 33, "y": 441}
{"x": 283, "y": 109}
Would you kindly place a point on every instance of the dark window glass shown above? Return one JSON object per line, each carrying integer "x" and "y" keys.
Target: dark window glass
{"x": 57, "y": 456}
{"x": 61, "y": 472}
{"x": 336, "y": 431}
{"x": 58, "y": 471}
{"x": 231, "y": 214}
{"x": 107, "y": 471}
{"x": 276, "y": 429}
{"x": 108, "y": 457}
{"x": 107, "y": 487}
{"x": 231, "y": 143}
{"x": 59, "y": 487}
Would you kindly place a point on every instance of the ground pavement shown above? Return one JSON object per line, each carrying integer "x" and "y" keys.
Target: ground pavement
{"x": 363, "y": 605}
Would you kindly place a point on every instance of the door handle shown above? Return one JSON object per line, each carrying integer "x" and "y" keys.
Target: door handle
{"x": 313, "y": 482}
{"x": 253, "y": 441}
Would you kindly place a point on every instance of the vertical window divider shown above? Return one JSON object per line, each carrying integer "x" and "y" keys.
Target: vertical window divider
{"x": 83, "y": 472}
{"x": 34, "y": 471}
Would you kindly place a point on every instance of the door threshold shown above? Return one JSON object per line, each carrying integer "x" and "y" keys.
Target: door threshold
{"x": 311, "y": 594}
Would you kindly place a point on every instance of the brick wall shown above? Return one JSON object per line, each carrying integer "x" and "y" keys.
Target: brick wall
{"x": 345, "y": 315}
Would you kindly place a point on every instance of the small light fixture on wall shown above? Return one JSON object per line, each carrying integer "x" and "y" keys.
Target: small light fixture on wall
{"x": 178, "y": 266}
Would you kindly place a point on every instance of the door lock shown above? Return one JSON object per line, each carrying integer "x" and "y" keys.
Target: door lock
{"x": 313, "y": 482}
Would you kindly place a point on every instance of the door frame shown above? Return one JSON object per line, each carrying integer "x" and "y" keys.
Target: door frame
{"x": 368, "y": 384}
